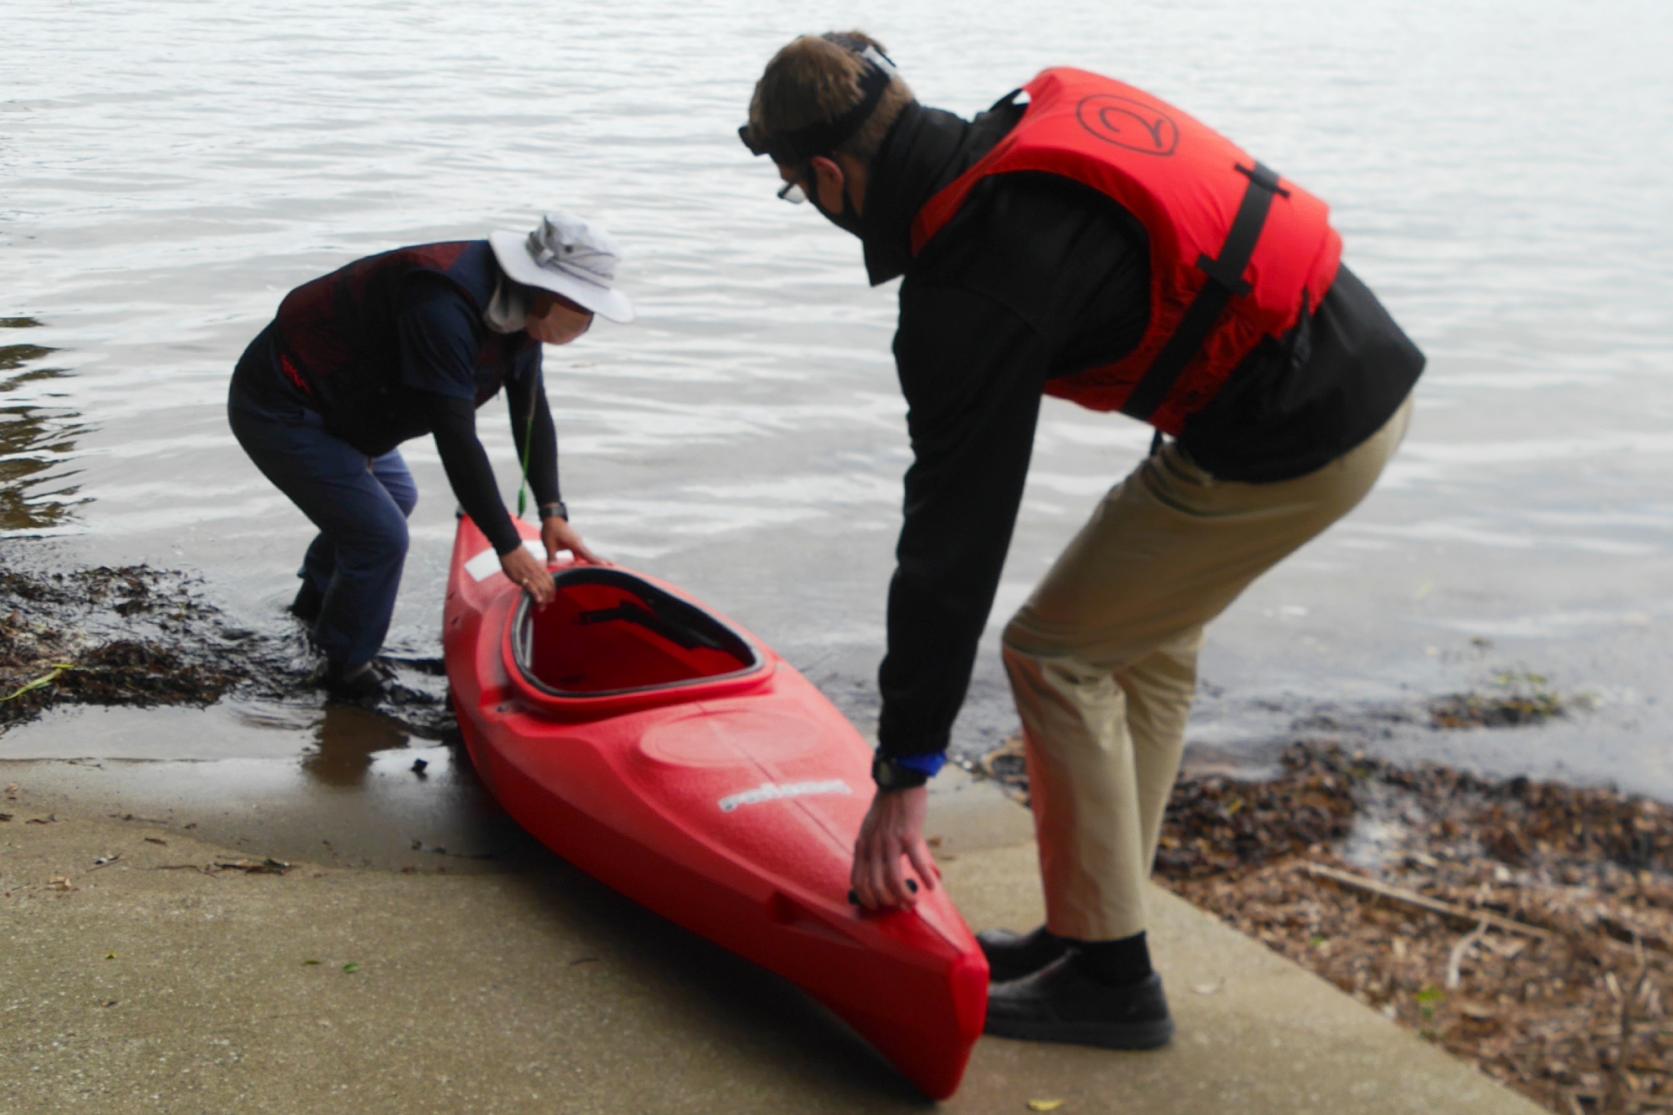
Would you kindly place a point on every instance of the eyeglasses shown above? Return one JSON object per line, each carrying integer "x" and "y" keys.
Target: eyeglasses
{"x": 793, "y": 191}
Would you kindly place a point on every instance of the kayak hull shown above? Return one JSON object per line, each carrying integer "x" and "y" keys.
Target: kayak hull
{"x": 665, "y": 751}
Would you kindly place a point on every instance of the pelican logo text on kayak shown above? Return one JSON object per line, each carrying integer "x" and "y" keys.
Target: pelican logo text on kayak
{"x": 772, "y": 791}
{"x": 1128, "y": 123}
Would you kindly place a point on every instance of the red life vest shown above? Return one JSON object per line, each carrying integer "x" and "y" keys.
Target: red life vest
{"x": 1236, "y": 254}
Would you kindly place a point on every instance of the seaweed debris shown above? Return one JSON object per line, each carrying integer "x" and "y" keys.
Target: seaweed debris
{"x": 1525, "y": 926}
{"x": 130, "y": 635}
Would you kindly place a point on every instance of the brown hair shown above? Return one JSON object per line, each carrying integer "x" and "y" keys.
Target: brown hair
{"x": 817, "y": 78}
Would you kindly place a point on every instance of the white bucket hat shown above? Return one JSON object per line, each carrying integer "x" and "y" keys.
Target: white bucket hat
{"x": 567, "y": 256}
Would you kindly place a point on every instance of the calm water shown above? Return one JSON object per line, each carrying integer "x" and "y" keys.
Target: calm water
{"x": 168, "y": 170}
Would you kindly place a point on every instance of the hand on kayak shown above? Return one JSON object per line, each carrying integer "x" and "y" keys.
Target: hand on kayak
{"x": 556, "y": 535}
{"x": 893, "y": 828}
{"x": 529, "y": 573}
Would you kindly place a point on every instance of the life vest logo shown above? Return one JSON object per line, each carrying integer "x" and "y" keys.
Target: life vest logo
{"x": 1128, "y": 123}
{"x": 772, "y": 791}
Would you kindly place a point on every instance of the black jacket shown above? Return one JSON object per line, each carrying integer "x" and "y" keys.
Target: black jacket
{"x": 1038, "y": 277}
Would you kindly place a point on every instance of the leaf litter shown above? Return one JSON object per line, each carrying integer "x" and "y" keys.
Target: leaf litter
{"x": 1524, "y": 926}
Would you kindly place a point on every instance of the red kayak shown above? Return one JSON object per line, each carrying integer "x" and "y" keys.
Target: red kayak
{"x": 665, "y": 751}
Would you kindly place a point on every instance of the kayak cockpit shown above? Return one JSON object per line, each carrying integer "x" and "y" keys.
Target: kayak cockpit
{"x": 609, "y": 633}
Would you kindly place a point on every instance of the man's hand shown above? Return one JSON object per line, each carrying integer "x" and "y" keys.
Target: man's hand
{"x": 556, "y": 534}
{"x": 894, "y": 827}
{"x": 526, "y": 571}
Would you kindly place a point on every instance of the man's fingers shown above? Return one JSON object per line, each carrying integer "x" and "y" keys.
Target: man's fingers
{"x": 890, "y": 839}
{"x": 923, "y": 863}
{"x": 869, "y": 876}
{"x": 905, "y": 894}
{"x": 896, "y": 885}
{"x": 534, "y": 580}
{"x": 857, "y": 874}
{"x": 880, "y": 882}
{"x": 887, "y": 882}
{"x": 862, "y": 885}
{"x": 874, "y": 893}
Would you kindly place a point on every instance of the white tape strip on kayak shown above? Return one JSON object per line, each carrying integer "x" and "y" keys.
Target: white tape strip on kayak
{"x": 772, "y": 791}
{"x": 487, "y": 563}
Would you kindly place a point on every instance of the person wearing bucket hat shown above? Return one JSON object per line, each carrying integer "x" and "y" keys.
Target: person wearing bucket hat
{"x": 1082, "y": 239}
{"x": 394, "y": 346}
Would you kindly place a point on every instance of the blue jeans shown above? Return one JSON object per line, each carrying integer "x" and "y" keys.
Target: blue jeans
{"x": 360, "y": 505}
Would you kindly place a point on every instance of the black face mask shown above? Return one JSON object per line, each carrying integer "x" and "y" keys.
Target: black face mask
{"x": 848, "y": 220}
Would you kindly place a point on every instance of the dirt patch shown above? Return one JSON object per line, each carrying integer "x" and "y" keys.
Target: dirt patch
{"x": 1525, "y": 926}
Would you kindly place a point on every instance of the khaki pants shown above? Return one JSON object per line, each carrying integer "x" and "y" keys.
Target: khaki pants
{"x": 1103, "y": 659}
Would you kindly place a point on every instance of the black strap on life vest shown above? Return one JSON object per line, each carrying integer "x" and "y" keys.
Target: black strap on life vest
{"x": 1225, "y": 282}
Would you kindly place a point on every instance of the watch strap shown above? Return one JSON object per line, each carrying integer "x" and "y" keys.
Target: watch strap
{"x": 891, "y": 774}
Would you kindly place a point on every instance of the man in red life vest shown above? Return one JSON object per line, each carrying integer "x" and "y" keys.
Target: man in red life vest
{"x": 1086, "y": 240}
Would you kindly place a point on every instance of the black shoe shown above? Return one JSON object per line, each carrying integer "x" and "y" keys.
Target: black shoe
{"x": 1061, "y": 1002}
{"x": 307, "y": 604}
{"x": 1014, "y": 955}
{"x": 363, "y": 684}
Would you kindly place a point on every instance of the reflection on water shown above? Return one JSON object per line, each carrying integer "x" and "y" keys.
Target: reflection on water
{"x": 37, "y": 435}
{"x": 346, "y": 740}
